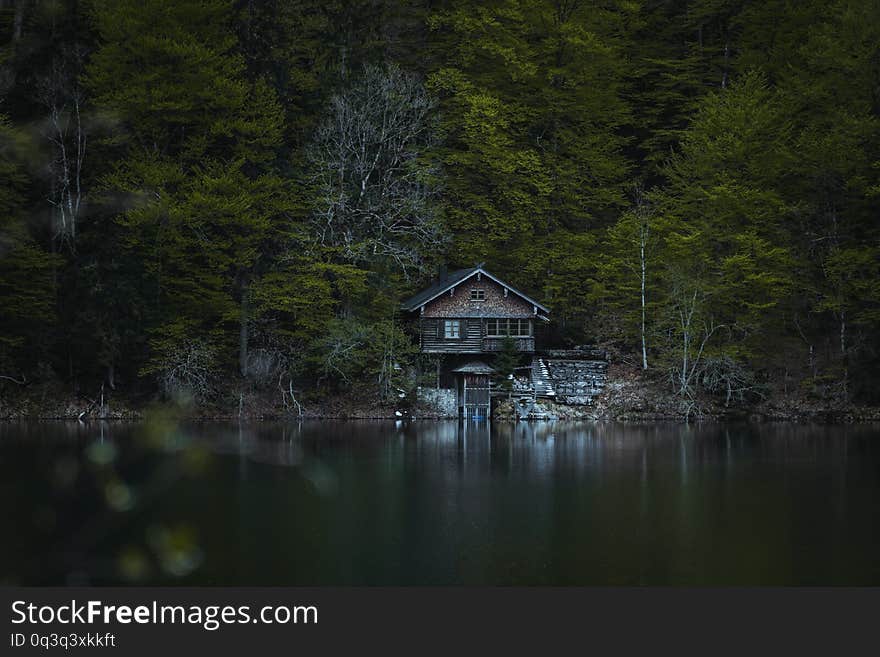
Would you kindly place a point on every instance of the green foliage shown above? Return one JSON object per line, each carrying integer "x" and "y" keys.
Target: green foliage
{"x": 531, "y": 99}
{"x": 215, "y": 130}
{"x": 728, "y": 266}
{"x": 26, "y": 270}
{"x": 206, "y": 214}
{"x": 168, "y": 72}
{"x": 351, "y": 353}
{"x": 629, "y": 262}
{"x": 505, "y": 362}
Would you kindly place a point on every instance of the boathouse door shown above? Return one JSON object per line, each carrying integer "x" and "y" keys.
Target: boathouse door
{"x": 475, "y": 396}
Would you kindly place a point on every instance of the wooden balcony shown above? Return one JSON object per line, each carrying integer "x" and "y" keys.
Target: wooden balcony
{"x": 494, "y": 345}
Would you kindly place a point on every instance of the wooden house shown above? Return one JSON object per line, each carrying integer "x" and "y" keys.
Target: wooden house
{"x": 464, "y": 318}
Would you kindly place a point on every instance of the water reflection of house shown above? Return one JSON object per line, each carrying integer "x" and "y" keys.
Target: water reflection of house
{"x": 465, "y": 319}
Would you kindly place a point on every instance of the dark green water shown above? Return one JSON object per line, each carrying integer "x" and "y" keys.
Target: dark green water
{"x": 439, "y": 503}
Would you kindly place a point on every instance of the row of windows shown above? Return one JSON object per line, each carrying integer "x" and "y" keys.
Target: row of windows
{"x": 495, "y": 328}
{"x": 513, "y": 327}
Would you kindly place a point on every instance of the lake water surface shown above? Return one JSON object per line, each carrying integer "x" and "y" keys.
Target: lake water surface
{"x": 439, "y": 503}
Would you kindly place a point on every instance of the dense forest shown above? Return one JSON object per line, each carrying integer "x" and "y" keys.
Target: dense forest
{"x": 210, "y": 196}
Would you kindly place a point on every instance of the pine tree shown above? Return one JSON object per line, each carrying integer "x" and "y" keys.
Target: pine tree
{"x": 27, "y": 271}
{"x": 506, "y": 362}
{"x": 532, "y": 106}
{"x": 194, "y": 144}
{"x": 727, "y": 264}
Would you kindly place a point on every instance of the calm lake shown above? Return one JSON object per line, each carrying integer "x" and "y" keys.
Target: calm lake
{"x": 439, "y": 503}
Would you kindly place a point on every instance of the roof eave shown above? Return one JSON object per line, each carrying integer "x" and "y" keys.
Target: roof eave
{"x": 480, "y": 270}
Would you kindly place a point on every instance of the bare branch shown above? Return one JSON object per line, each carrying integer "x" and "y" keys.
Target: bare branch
{"x": 367, "y": 161}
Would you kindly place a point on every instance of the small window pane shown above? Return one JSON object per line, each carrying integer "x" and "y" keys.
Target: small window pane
{"x": 478, "y": 294}
{"x": 451, "y": 328}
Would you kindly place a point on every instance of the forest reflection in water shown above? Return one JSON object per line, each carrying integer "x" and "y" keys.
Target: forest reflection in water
{"x": 374, "y": 502}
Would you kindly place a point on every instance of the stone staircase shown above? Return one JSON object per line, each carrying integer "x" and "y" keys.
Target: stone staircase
{"x": 573, "y": 376}
{"x": 541, "y": 379}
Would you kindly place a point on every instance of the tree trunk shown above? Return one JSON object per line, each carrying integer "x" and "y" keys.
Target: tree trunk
{"x": 644, "y": 345}
{"x": 843, "y": 354}
{"x": 724, "y": 71}
{"x": 18, "y": 19}
{"x": 684, "y": 362}
{"x": 243, "y": 334}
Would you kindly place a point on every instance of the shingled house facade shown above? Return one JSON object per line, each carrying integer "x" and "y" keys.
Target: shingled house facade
{"x": 470, "y": 311}
{"x": 464, "y": 318}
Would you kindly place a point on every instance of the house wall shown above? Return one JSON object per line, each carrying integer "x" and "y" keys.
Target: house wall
{"x": 432, "y": 340}
{"x": 472, "y": 340}
{"x": 496, "y": 304}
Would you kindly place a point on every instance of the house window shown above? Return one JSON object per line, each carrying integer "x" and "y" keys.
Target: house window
{"x": 499, "y": 328}
{"x": 478, "y": 294}
{"x": 451, "y": 329}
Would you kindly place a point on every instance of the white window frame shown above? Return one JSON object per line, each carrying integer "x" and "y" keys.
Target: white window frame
{"x": 478, "y": 294}
{"x": 505, "y": 327}
{"x": 452, "y": 329}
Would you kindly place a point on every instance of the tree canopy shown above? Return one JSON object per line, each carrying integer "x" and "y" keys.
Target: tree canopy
{"x": 217, "y": 190}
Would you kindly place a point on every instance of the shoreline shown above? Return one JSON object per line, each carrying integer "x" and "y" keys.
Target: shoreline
{"x": 861, "y": 415}
{"x": 628, "y": 396}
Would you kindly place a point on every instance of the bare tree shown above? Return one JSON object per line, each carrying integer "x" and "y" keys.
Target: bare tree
{"x": 189, "y": 370}
{"x": 643, "y": 211}
{"x": 376, "y": 188}
{"x": 65, "y": 130}
{"x": 341, "y": 349}
{"x": 633, "y": 236}
{"x": 692, "y": 329}
{"x": 727, "y": 375}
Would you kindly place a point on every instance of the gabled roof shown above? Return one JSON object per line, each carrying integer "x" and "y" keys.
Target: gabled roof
{"x": 454, "y": 278}
{"x": 438, "y": 288}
